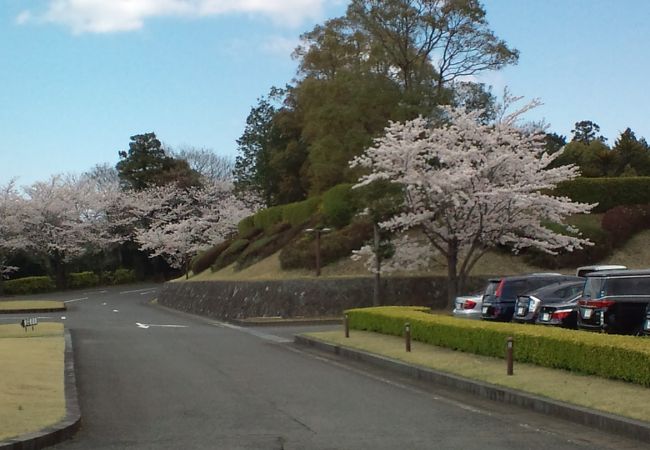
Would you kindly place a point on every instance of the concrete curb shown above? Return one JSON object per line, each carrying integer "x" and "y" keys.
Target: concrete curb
{"x": 33, "y": 311}
{"x": 630, "y": 428}
{"x": 262, "y": 322}
{"x": 62, "y": 430}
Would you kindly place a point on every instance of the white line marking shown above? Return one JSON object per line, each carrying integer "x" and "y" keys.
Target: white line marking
{"x": 259, "y": 334}
{"x": 147, "y": 325}
{"x": 76, "y": 300}
{"x": 116, "y": 310}
{"x": 63, "y": 317}
{"x": 139, "y": 290}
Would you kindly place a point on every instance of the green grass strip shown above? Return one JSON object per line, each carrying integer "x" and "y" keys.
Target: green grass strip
{"x": 624, "y": 358}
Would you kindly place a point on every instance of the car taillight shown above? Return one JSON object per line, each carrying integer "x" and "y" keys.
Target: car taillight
{"x": 560, "y": 315}
{"x": 499, "y": 289}
{"x": 469, "y": 304}
{"x": 596, "y": 303}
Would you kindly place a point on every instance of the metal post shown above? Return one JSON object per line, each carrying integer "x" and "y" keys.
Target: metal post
{"x": 318, "y": 252}
{"x": 346, "y": 325}
{"x": 510, "y": 344}
{"x": 407, "y": 336}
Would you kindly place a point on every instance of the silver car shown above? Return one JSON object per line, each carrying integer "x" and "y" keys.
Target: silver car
{"x": 468, "y": 306}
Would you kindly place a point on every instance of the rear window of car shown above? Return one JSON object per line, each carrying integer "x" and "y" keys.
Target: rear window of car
{"x": 512, "y": 289}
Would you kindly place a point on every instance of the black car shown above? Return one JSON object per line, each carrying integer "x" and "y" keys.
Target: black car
{"x": 501, "y": 293}
{"x": 615, "y": 301}
{"x": 646, "y": 324}
{"x": 528, "y": 306}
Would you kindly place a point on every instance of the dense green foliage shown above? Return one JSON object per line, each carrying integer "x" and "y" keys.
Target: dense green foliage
{"x": 29, "y": 285}
{"x": 119, "y": 276}
{"x": 82, "y": 280}
{"x": 624, "y": 358}
{"x": 245, "y": 225}
{"x": 206, "y": 259}
{"x": 230, "y": 254}
{"x": 607, "y": 192}
{"x": 381, "y": 61}
{"x": 340, "y": 204}
{"x": 334, "y": 245}
{"x": 266, "y": 218}
{"x": 147, "y": 164}
{"x": 299, "y": 213}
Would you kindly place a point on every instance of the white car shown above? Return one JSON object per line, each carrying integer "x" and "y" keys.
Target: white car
{"x": 468, "y": 306}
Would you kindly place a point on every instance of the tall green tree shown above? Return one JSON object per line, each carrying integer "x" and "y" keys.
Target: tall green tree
{"x": 586, "y": 132}
{"x": 146, "y": 164}
{"x": 632, "y": 156}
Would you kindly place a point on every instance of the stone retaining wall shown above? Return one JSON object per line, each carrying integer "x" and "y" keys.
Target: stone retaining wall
{"x": 301, "y": 297}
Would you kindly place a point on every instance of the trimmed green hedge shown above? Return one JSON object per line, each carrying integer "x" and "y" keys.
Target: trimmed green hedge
{"x": 122, "y": 276}
{"x": 624, "y": 358}
{"x": 206, "y": 259}
{"x": 300, "y": 212}
{"x": 339, "y": 205}
{"x": 82, "y": 280}
{"x": 245, "y": 224}
{"x": 229, "y": 255}
{"x": 607, "y": 192}
{"x": 29, "y": 285}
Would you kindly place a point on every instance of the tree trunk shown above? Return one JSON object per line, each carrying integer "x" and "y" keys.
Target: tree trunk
{"x": 452, "y": 274}
{"x": 376, "y": 298}
{"x": 59, "y": 271}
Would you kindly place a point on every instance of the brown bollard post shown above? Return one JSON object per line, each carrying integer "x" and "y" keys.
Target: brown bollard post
{"x": 510, "y": 344}
{"x": 407, "y": 336}
{"x": 346, "y": 325}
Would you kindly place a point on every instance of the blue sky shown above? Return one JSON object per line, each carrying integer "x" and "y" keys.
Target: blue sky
{"x": 79, "y": 77}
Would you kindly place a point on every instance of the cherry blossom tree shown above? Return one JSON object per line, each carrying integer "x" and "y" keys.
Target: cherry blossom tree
{"x": 11, "y": 227}
{"x": 470, "y": 186}
{"x": 180, "y": 222}
{"x": 62, "y": 220}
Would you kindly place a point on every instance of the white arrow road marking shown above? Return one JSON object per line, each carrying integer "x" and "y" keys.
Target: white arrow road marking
{"x": 147, "y": 325}
{"x": 76, "y": 300}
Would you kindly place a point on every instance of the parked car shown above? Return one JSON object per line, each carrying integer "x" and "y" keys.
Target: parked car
{"x": 585, "y": 270}
{"x": 468, "y": 306}
{"x": 615, "y": 301}
{"x": 646, "y": 324}
{"x": 563, "y": 314}
{"x": 501, "y": 293}
{"x": 528, "y": 306}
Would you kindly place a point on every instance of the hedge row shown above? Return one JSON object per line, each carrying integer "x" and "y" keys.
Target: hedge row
{"x": 624, "y": 358}
{"x": 28, "y": 285}
{"x": 79, "y": 280}
{"x": 607, "y": 192}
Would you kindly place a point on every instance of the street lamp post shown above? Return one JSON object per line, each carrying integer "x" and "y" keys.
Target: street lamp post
{"x": 318, "y": 232}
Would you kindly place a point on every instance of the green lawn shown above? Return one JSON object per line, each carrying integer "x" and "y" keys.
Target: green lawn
{"x": 32, "y": 386}
{"x": 614, "y": 397}
{"x": 34, "y": 305}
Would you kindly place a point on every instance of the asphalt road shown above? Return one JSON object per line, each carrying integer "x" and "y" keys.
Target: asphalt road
{"x": 150, "y": 378}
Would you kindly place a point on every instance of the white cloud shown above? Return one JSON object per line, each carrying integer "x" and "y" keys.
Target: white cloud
{"x": 105, "y": 16}
{"x": 280, "y": 45}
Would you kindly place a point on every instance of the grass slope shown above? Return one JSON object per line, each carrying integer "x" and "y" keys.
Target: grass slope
{"x": 634, "y": 254}
{"x": 622, "y": 398}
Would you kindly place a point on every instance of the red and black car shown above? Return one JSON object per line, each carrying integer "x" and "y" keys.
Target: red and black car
{"x": 615, "y": 301}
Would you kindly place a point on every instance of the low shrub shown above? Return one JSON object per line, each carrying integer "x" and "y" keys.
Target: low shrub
{"x": 607, "y": 192}
{"x": 624, "y": 358}
{"x": 268, "y": 217}
{"x": 28, "y": 285}
{"x": 245, "y": 224}
{"x": 300, "y": 212}
{"x": 622, "y": 222}
{"x": 230, "y": 254}
{"x": 82, "y": 280}
{"x": 124, "y": 276}
{"x": 334, "y": 246}
{"x": 601, "y": 249}
{"x": 281, "y": 235}
{"x": 339, "y": 205}
{"x": 204, "y": 260}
